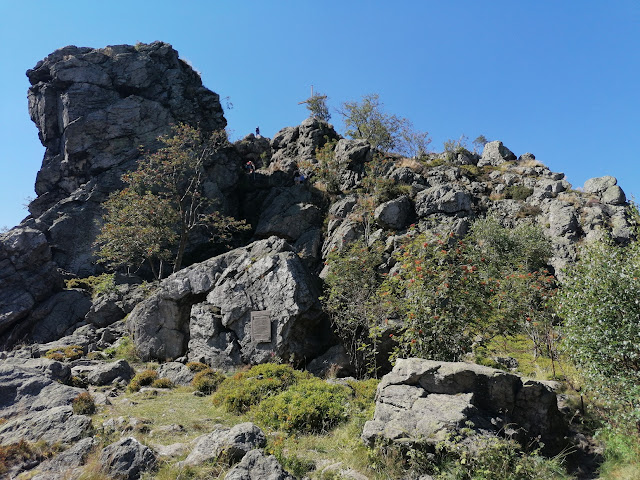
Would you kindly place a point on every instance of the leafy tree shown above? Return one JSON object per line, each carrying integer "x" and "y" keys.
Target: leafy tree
{"x": 164, "y": 201}
{"x": 479, "y": 143}
{"x": 367, "y": 120}
{"x": 600, "y": 306}
{"x": 317, "y": 106}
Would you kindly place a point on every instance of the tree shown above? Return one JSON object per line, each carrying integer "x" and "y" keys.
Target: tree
{"x": 600, "y": 306}
{"x": 367, "y": 120}
{"x": 317, "y": 106}
{"x": 164, "y": 201}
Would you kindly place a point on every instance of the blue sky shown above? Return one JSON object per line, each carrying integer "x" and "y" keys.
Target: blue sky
{"x": 557, "y": 79}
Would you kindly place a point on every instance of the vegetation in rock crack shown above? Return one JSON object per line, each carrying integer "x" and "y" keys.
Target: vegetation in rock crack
{"x": 83, "y": 404}
{"x": 163, "y": 203}
{"x": 68, "y": 353}
{"x": 96, "y": 284}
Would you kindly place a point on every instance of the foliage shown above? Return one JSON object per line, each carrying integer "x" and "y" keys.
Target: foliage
{"x": 621, "y": 455}
{"x": 142, "y": 379}
{"x": 479, "y": 143}
{"x": 517, "y": 192}
{"x": 238, "y": 393}
{"x": 326, "y": 169}
{"x": 453, "y": 147}
{"x": 197, "y": 366}
{"x": 352, "y": 302}
{"x": 68, "y": 353}
{"x": 97, "y": 285}
{"x": 207, "y": 380}
{"x": 83, "y": 404}
{"x": 317, "y": 106}
{"x": 366, "y": 120}
{"x": 23, "y": 451}
{"x": 494, "y": 459}
{"x": 600, "y": 307}
{"x": 309, "y": 406}
{"x": 124, "y": 349}
{"x": 162, "y": 383}
{"x": 163, "y": 203}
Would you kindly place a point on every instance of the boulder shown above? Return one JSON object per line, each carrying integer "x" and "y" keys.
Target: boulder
{"x": 177, "y": 372}
{"x": 495, "y": 153}
{"x": 108, "y": 373}
{"x": 232, "y": 444}
{"x": 65, "y": 465}
{"x": 52, "y": 425}
{"x": 257, "y": 466}
{"x": 127, "y": 459}
{"x": 599, "y": 184}
{"x": 205, "y": 310}
{"x": 563, "y": 220}
{"x": 614, "y": 195}
{"x": 448, "y": 199}
{"x": 393, "y": 215}
{"x": 423, "y": 401}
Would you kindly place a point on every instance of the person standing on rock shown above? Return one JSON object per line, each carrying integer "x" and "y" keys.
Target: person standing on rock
{"x": 250, "y": 168}
{"x": 257, "y": 131}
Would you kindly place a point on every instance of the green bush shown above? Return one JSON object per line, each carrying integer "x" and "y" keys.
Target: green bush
{"x": 97, "y": 285}
{"x": 197, "y": 366}
{"x": 238, "y": 393}
{"x": 309, "y": 406}
{"x": 125, "y": 349}
{"x": 71, "y": 352}
{"x": 600, "y": 307}
{"x": 517, "y": 192}
{"x": 207, "y": 381}
{"x": 83, "y": 404}
{"x": 142, "y": 379}
{"x": 162, "y": 383}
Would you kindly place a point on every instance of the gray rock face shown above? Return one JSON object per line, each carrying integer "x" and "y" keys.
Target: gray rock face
{"x": 292, "y": 144}
{"x": 446, "y": 199}
{"x": 24, "y": 390}
{"x": 495, "y": 153}
{"x": 127, "y": 459}
{"x": 421, "y": 401}
{"x": 232, "y": 443}
{"x": 57, "y": 424}
{"x": 352, "y": 155}
{"x": 288, "y": 213}
{"x": 257, "y": 466}
{"x": 614, "y": 196}
{"x": 599, "y": 184}
{"x": 205, "y": 309}
{"x": 107, "y": 373}
{"x": 64, "y": 466}
{"x": 393, "y": 214}
{"x": 177, "y": 372}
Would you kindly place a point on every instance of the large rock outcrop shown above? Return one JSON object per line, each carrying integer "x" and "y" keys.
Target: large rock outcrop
{"x": 423, "y": 401}
{"x": 205, "y": 311}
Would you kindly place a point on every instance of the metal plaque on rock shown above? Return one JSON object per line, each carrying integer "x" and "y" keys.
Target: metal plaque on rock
{"x": 261, "y": 326}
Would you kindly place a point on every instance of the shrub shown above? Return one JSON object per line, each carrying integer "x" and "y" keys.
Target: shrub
{"x": 310, "y": 406}
{"x": 197, "y": 366}
{"x": 517, "y": 192}
{"x": 125, "y": 349}
{"x": 600, "y": 308}
{"x": 238, "y": 393}
{"x": 83, "y": 404}
{"x": 71, "y": 352}
{"x": 23, "y": 451}
{"x": 96, "y": 285}
{"x": 207, "y": 381}
{"x": 142, "y": 379}
{"x": 162, "y": 383}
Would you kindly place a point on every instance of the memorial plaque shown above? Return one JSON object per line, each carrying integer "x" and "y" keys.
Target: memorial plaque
{"x": 261, "y": 326}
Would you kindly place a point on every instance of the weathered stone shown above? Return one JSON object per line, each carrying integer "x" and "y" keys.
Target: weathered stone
{"x": 52, "y": 425}
{"x": 449, "y": 199}
{"x": 178, "y": 373}
{"x": 288, "y": 214}
{"x": 108, "y": 373}
{"x": 614, "y": 195}
{"x": 265, "y": 275}
{"x": 232, "y": 443}
{"x": 393, "y": 214}
{"x": 64, "y": 466}
{"x": 563, "y": 220}
{"x": 257, "y": 466}
{"x": 335, "y": 360}
{"x": 495, "y": 153}
{"x": 599, "y": 184}
{"x": 422, "y": 401}
{"x": 127, "y": 459}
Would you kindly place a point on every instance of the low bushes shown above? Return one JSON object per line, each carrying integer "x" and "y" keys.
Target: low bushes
{"x": 72, "y": 352}
{"x": 238, "y": 393}
{"x": 207, "y": 380}
{"x": 142, "y": 379}
{"x": 83, "y": 404}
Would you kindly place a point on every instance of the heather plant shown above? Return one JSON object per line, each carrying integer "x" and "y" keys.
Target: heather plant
{"x": 207, "y": 380}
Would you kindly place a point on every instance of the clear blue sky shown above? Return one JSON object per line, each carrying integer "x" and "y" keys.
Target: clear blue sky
{"x": 558, "y": 79}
